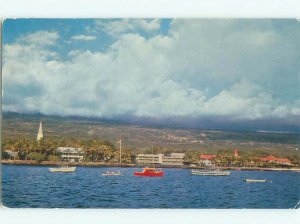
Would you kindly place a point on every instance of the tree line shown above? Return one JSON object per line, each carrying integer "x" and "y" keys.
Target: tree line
{"x": 46, "y": 149}
{"x": 250, "y": 159}
{"x": 96, "y": 150}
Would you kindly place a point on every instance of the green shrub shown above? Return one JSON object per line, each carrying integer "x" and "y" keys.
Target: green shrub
{"x": 5, "y": 155}
{"x": 36, "y": 156}
{"x": 53, "y": 158}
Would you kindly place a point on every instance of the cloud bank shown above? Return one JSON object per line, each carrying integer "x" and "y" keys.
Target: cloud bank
{"x": 83, "y": 37}
{"x": 239, "y": 69}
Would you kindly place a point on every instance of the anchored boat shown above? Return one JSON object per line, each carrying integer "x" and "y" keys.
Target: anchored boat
{"x": 207, "y": 172}
{"x": 111, "y": 173}
{"x": 255, "y": 180}
{"x": 65, "y": 169}
{"x": 150, "y": 172}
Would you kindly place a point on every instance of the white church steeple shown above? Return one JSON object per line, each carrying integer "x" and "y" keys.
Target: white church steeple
{"x": 40, "y": 133}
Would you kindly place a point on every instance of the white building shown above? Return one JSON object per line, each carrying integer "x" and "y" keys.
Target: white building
{"x": 70, "y": 154}
{"x": 11, "y": 154}
{"x": 170, "y": 159}
{"x": 149, "y": 158}
{"x": 173, "y": 159}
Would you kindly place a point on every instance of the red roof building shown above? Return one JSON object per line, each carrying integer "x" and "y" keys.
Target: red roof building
{"x": 276, "y": 160}
{"x": 207, "y": 157}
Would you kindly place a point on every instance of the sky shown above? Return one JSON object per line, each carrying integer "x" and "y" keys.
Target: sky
{"x": 190, "y": 72}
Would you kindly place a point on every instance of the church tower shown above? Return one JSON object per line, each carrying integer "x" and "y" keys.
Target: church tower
{"x": 236, "y": 154}
{"x": 40, "y": 133}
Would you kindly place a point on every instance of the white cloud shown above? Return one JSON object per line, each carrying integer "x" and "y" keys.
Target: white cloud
{"x": 40, "y": 38}
{"x": 243, "y": 100}
{"x": 202, "y": 68}
{"x": 118, "y": 27}
{"x": 147, "y": 25}
{"x": 83, "y": 37}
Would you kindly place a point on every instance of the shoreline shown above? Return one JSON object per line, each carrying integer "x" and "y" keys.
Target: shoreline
{"x": 102, "y": 164}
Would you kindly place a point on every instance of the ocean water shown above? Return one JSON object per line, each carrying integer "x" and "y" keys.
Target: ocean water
{"x": 35, "y": 186}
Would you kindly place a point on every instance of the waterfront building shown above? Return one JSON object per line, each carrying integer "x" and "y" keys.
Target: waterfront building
{"x": 173, "y": 159}
{"x": 40, "y": 133}
{"x": 11, "y": 154}
{"x": 149, "y": 158}
{"x": 271, "y": 158}
{"x": 207, "y": 157}
{"x": 70, "y": 154}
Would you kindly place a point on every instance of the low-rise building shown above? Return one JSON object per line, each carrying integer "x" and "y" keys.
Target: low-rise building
{"x": 271, "y": 158}
{"x": 170, "y": 159}
{"x": 173, "y": 159}
{"x": 207, "y": 157}
{"x": 70, "y": 154}
{"x": 11, "y": 154}
{"x": 149, "y": 158}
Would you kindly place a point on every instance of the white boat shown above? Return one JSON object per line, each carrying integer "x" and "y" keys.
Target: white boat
{"x": 255, "y": 180}
{"x": 118, "y": 173}
{"x": 65, "y": 169}
{"x": 207, "y": 172}
{"x": 111, "y": 173}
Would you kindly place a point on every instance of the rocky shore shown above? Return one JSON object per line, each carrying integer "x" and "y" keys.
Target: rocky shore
{"x": 53, "y": 163}
{"x": 102, "y": 164}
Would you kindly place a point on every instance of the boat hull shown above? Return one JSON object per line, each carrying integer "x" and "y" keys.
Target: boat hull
{"x": 63, "y": 169}
{"x": 255, "y": 181}
{"x": 210, "y": 173}
{"x": 111, "y": 174}
{"x": 149, "y": 174}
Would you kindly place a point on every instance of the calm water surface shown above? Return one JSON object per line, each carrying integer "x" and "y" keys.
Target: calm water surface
{"x": 34, "y": 186}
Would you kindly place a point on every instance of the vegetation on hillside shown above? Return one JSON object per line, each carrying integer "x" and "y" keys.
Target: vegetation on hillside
{"x": 46, "y": 149}
{"x": 99, "y": 141}
{"x": 105, "y": 151}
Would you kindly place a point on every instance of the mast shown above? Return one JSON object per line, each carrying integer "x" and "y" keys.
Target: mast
{"x": 120, "y": 151}
{"x": 153, "y": 157}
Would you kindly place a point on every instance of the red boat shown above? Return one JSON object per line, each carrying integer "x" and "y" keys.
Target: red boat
{"x": 150, "y": 172}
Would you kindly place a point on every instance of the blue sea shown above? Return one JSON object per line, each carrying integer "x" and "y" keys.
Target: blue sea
{"x": 36, "y": 187}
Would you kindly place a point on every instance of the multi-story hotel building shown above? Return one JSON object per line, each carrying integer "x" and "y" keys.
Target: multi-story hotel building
{"x": 170, "y": 159}
{"x": 70, "y": 154}
{"x": 173, "y": 159}
{"x": 149, "y": 158}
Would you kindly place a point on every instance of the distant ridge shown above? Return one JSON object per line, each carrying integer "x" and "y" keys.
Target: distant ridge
{"x": 205, "y": 123}
{"x": 138, "y": 134}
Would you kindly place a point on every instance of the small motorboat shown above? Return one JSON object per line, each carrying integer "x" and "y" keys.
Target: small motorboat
{"x": 111, "y": 173}
{"x": 255, "y": 180}
{"x": 210, "y": 172}
{"x": 64, "y": 169}
{"x": 150, "y": 172}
